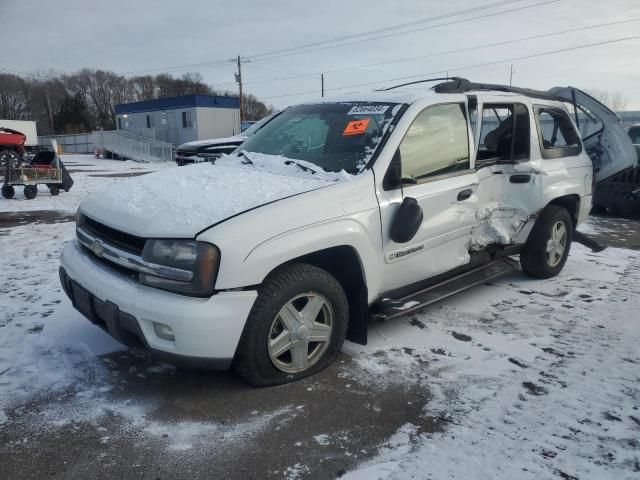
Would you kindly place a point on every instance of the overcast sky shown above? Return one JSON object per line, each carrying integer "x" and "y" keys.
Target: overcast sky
{"x": 154, "y": 35}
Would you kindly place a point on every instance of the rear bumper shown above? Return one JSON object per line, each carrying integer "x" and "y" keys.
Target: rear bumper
{"x": 206, "y": 330}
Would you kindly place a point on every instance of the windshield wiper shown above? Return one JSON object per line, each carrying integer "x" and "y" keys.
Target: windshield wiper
{"x": 299, "y": 165}
{"x": 247, "y": 160}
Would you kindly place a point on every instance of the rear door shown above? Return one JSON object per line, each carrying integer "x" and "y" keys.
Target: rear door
{"x": 604, "y": 138}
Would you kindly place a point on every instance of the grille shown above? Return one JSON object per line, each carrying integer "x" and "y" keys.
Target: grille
{"x": 111, "y": 236}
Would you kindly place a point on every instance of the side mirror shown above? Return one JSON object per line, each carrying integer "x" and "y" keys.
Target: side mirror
{"x": 407, "y": 221}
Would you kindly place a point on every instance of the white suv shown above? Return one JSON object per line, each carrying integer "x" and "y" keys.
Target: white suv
{"x": 378, "y": 204}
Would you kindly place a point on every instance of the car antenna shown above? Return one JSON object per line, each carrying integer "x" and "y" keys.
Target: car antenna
{"x": 421, "y": 81}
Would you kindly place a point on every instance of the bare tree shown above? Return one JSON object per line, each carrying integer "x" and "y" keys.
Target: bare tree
{"x": 87, "y": 98}
{"x": 616, "y": 101}
{"x": 14, "y": 98}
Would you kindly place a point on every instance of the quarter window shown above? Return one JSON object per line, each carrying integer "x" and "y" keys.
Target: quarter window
{"x": 504, "y": 134}
{"x": 437, "y": 143}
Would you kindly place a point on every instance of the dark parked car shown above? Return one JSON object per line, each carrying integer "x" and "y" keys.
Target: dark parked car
{"x": 208, "y": 150}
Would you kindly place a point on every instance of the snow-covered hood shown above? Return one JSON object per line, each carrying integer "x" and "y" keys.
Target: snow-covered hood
{"x": 182, "y": 201}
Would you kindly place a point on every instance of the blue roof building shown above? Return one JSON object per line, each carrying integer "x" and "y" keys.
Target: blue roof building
{"x": 181, "y": 119}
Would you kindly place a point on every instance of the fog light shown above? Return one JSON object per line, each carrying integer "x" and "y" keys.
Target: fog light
{"x": 164, "y": 331}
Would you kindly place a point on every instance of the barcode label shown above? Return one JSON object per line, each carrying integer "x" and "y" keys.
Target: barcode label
{"x": 368, "y": 109}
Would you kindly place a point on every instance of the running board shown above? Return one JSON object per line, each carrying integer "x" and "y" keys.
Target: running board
{"x": 388, "y": 308}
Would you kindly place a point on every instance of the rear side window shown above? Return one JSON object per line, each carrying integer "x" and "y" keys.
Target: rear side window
{"x": 436, "y": 143}
{"x": 558, "y": 138}
{"x": 634, "y": 134}
{"x": 504, "y": 133}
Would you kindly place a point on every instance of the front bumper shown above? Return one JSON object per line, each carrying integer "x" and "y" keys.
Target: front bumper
{"x": 206, "y": 330}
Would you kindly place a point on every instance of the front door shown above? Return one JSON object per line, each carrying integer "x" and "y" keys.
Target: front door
{"x": 435, "y": 169}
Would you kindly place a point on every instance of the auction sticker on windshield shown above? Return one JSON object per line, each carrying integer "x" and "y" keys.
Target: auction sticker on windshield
{"x": 368, "y": 109}
{"x": 356, "y": 127}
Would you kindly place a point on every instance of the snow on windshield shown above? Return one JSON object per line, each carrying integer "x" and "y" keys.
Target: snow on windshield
{"x": 281, "y": 165}
{"x": 333, "y": 137}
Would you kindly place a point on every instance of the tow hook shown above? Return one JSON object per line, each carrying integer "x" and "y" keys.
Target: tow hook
{"x": 582, "y": 239}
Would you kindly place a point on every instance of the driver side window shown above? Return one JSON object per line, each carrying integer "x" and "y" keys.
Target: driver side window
{"x": 436, "y": 143}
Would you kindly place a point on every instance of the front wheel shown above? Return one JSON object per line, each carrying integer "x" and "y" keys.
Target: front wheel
{"x": 547, "y": 248}
{"x": 296, "y": 326}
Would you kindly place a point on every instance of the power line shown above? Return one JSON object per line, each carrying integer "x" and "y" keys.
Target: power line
{"x": 386, "y": 29}
{"x": 446, "y": 52}
{"x": 466, "y": 67}
{"x": 395, "y": 34}
{"x": 33, "y": 75}
{"x": 301, "y": 49}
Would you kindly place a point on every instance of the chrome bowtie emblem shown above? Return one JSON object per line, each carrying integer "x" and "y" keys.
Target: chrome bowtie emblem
{"x": 97, "y": 248}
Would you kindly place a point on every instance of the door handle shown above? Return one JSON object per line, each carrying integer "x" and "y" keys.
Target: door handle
{"x": 520, "y": 178}
{"x": 465, "y": 194}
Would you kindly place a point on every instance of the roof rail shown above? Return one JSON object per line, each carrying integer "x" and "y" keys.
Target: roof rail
{"x": 426, "y": 80}
{"x": 462, "y": 85}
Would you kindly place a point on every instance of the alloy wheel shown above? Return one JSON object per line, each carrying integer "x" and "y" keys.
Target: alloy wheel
{"x": 300, "y": 333}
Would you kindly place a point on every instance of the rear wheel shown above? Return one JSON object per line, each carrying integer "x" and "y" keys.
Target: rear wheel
{"x": 10, "y": 158}
{"x": 296, "y": 326}
{"x": 30, "y": 192}
{"x": 8, "y": 191}
{"x": 547, "y": 247}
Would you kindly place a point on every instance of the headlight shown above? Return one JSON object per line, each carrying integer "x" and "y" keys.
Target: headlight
{"x": 200, "y": 258}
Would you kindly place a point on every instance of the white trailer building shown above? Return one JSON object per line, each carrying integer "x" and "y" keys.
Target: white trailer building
{"x": 181, "y": 119}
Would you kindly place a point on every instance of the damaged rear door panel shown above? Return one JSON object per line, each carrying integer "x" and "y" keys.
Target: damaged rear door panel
{"x": 508, "y": 181}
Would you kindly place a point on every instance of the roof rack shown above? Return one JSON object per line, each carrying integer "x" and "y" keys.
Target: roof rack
{"x": 462, "y": 85}
{"x": 426, "y": 80}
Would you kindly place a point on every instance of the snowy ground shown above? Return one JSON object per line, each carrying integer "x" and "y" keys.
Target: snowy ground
{"x": 514, "y": 379}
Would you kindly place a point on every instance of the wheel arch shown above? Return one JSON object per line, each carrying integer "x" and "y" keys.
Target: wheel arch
{"x": 345, "y": 264}
{"x": 571, "y": 203}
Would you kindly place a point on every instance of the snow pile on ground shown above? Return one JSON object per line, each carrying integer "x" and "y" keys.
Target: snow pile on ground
{"x": 53, "y": 359}
{"x": 89, "y": 174}
{"x": 540, "y": 379}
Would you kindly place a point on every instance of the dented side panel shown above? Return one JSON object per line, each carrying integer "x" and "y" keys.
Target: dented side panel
{"x": 509, "y": 206}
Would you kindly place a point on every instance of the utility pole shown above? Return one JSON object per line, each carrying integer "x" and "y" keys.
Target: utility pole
{"x": 239, "y": 80}
{"x": 322, "y": 84}
{"x": 511, "y": 76}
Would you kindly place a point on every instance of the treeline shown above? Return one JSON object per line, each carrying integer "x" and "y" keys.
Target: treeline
{"x": 85, "y": 100}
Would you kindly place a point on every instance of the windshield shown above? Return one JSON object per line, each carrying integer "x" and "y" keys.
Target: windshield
{"x": 333, "y": 136}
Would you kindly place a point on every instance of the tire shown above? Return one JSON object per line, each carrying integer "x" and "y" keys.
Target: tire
{"x": 10, "y": 157}
{"x": 30, "y": 192}
{"x": 534, "y": 258}
{"x": 8, "y": 191}
{"x": 293, "y": 286}
{"x": 54, "y": 190}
